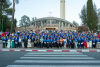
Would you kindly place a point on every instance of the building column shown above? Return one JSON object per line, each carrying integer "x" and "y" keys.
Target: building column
{"x": 65, "y": 24}
{"x": 68, "y": 25}
{"x": 35, "y": 24}
{"x": 41, "y": 24}
{"x": 62, "y": 25}
{"x": 59, "y": 25}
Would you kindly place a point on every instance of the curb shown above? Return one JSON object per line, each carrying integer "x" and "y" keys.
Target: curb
{"x": 50, "y": 50}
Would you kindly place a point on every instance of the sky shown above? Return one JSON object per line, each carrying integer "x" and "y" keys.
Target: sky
{"x": 41, "y": 8}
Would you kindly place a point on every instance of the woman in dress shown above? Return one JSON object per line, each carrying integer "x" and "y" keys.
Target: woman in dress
{"x": 8, "y": 43}
{"x": 12, "y": 42}
{"x": 65, "y": 41}
{"x": 85, "y": 43}
{"x": 29, "y": 43}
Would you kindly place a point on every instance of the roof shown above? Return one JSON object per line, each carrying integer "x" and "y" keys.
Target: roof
{"x": 52, "y": 18}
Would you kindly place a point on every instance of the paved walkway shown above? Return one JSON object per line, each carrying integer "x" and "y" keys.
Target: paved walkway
{"x": 0, "y": 43}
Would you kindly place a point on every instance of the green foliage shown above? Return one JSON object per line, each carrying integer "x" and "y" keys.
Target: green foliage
{"x": 82, "y": 28}
{"x": 75, "y": 24}
{"x": 90, "y": 15}
{"x": 96, "y": 18}
{"x": 83, "y": 16}
{"x": 24, "y": 20}
{"x": 5, "y": 10}
{"x": 9, "y": 11}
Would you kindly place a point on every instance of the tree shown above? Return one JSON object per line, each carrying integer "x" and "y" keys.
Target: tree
{"x": 96, "y": 18}
{"x": 24, "y": 21}
{"x": 12, "y": 25}
{"x": 90, "y": 15}
{"x": 75, "y": 24}
{"x": 82, "y": 28}
{"x": 15, "y": 22}
{"x": 4, "y": 7}
{"x": 83, "y": 16}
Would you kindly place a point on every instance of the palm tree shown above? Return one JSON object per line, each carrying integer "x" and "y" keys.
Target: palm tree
{"x": 12, "y": 25}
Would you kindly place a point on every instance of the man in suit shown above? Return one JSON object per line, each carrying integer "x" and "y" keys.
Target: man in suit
{"x": 25, "y": 42}
{"x": 32, "y": 40}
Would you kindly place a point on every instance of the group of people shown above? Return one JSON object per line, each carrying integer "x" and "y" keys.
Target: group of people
{"x": 51, "y": 38}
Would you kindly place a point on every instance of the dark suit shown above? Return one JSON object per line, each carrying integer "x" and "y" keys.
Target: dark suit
{"x": 25, "y": 43}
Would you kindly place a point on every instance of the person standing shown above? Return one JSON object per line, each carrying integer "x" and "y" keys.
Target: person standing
{"x": 32, "y": 41}
{"x": 97, "y": 43}
{"x": 8, "y": 43}
{"x": 79, "y": 43}
{"x": 48, "y": 42}
{"x": 12, "y": 42}
{"x": 54, "y": 43}
{"x": 61, "y": 42}
{"x": 93, "y": 43}
{"x": 38, "y": 43}
{"x": 35, "y": 42}
{"x": 4, "y": 42}
{"x": 85, "y": 43}
{"x": 76, "y": 43}
{"x": 68, "y": 44}
{"x": 45, "y": 43}
{"x": 16, "y": 42}
{"x": 82, "y": 43}
{"x": 51, "y": 42}
{"x": 72, "y": 44}
{"x": 20, "y": 42}
{"x": 58, "y": 42}
{"x": 25, "y": 42}
{"x": 41, "y": 40}
{"x": 29, "y": 43}
{"x": 90, "y": 43}
{"x": 65, "y": 41}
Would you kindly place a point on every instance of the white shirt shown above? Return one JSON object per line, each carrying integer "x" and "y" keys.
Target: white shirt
{"x": 20, "y": 40}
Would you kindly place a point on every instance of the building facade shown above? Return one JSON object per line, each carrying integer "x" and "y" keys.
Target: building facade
{"x": 49, "y": 23}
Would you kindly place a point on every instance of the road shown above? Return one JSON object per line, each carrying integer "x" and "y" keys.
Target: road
{"x": 49, "y": 59}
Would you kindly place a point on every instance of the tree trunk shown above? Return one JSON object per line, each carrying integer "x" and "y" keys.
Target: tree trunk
{"x": 12, "y": 25}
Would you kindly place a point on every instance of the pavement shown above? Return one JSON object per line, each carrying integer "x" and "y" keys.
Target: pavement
{"x": 0, "y": 43}
{"x": 49, "y": 59}
{"x": 49, "y": 50}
